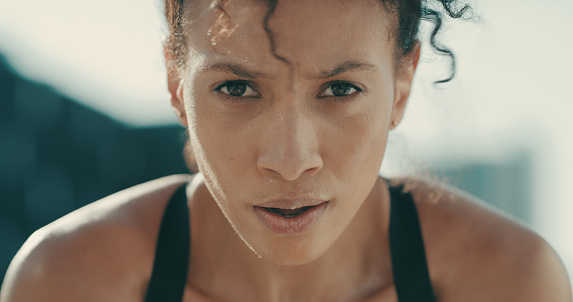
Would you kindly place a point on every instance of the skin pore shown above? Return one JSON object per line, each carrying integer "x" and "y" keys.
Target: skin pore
{"x": 313, "y": 128}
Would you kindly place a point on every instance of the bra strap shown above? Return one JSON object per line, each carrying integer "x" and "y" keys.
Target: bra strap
{"x": 409, "y": 265}
{"x": 171, "y": 265}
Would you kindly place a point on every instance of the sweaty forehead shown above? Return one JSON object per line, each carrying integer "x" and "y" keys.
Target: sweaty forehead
{"x": 310, "y": 34}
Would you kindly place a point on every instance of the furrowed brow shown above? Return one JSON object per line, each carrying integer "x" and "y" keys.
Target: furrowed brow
{"x": 348, "y": 66}
{"x": 235, "y": 69}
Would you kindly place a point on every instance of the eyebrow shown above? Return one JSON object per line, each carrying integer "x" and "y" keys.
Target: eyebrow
{"x": 236, "y": 69}
{"x": 348, "y": 66}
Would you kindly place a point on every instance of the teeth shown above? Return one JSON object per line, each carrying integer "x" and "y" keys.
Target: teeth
{"x": 287, "y": 212}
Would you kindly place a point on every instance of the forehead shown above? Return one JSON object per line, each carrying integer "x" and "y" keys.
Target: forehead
{"x": 310, "y": 34}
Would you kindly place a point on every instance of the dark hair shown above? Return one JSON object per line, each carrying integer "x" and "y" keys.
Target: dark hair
{"x": 408, "y": 16}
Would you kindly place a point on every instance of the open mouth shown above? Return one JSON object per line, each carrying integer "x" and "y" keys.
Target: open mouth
{"x": 290, "y": 221}
{"x": 287, "y": 213}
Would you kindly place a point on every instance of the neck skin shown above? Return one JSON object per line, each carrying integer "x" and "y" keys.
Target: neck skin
{"x": 355, "y": 267}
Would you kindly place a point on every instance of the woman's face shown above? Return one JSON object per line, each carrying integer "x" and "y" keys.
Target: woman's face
{"x": 309, "y": 130}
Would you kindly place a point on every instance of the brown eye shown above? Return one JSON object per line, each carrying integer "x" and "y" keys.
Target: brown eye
{"x": 339, "y": 89}
{"x": 237, "y": 89}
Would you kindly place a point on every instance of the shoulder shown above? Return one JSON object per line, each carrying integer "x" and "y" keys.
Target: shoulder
{"x": 103, "y": 251}
{"x": 476, "y": 253}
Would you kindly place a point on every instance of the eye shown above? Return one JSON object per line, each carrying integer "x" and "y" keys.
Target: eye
{"x": 339, "y": 89}
{"x": 238, "y": 89}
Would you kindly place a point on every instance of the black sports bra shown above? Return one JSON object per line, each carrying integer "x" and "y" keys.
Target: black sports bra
{"x": 409, "y": 266}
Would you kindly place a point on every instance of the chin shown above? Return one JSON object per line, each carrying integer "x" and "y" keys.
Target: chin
{"x": 292, "y": 251}
{"x": 291, "y": 258}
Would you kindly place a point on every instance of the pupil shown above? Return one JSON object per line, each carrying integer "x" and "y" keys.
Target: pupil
{"x": 340, "y": 90}
{"x": 237, "y": 89}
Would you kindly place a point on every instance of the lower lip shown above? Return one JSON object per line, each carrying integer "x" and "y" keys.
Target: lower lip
{"x": 292, "y": 225}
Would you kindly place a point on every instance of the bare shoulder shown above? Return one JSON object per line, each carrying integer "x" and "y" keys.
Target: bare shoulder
{"x": 101, "y": 252}
{"x": 476, "y": 253}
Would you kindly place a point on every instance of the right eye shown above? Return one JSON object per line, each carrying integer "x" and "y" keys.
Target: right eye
{"x": 237, "y": 89}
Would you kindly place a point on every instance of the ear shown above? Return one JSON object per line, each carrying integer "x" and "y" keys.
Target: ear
{"x": 175, "y": 87}
{"x": 404, "y": 84}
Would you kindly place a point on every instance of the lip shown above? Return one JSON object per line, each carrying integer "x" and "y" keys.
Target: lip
{"x": 291, "y": 204}
{"x": 291, "y": 225}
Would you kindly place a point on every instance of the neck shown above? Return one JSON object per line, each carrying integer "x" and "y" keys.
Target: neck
{"x": 356, "y": 265}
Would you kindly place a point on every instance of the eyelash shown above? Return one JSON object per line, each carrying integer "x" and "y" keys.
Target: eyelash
{"x": 250, "y": 85}
{"x": 345, "y": 98}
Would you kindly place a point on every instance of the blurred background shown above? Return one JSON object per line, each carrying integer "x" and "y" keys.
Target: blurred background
{"x": 84, "y": 111}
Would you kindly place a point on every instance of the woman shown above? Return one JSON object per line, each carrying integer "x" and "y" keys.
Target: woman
{"x": 288, "y": 107}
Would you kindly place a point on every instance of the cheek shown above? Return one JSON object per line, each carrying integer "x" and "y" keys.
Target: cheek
{"x": 356, "y": 146}
{"x": 221, "y": 148}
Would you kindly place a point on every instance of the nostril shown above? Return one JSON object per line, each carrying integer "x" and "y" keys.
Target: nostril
{"x": 289, "y": 148}
{"x": 289, "y": 168}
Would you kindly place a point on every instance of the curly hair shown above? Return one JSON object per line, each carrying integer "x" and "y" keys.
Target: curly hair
{"x": 408, "y": 15}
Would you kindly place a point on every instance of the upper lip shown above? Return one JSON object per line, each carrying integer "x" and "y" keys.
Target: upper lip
{"x": 291, "y": 203}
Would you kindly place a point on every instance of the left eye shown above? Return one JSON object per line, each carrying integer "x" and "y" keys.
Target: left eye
{"x": 339, "y": 89}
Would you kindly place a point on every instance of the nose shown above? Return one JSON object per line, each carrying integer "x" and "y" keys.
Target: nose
{"x": 289, "y": 146}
